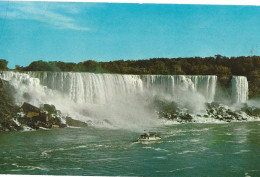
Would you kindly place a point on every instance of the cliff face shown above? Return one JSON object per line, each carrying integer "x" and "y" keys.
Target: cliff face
{"x": 7, "y": 106}
{"x": 254, "y": 84}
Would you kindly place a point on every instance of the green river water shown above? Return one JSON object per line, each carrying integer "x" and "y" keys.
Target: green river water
{"x": 231, "y": 149}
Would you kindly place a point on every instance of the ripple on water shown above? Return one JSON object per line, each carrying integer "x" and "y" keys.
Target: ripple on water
{"x": 58, "y": 169}
{"x": 28, "y": 167}
{"x": 2, "y": 164}
{"x": 195, "y": 140}
{"x": 147, "y": 147}
{"x": 226, "y": 134}
{"x": 179, "y": 169}
{"x": 171, "y": 171}
{"x": 160, "y": 149}
{"x": 241, "y": 151}
{"x": 185, "y": 152}
{"x": 160, "y": 157}
{"x": 45, "y": 152}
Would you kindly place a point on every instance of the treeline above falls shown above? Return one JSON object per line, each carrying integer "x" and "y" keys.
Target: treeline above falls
{"x": 221, "y": 66}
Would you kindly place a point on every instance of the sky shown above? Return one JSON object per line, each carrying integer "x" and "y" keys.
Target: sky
{"x": 75, "y": 32}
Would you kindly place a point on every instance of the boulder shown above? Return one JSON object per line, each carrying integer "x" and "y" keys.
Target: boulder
{"x": 35, "y": 117}
{"x": 75, "y": 123}
{"x": 186, "y": 117}
{"x": 32, "y": 114}
{"x": 62, "y": 125}
{"x": 51, "y": 109}
{"x": 55, "y": 126}
{"x": 26, "y": 107}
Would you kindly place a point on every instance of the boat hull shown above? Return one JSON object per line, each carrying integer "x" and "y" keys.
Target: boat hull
{"x": 148, "y": 140}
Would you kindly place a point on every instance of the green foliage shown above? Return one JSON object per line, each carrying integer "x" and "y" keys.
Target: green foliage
{"x": 19, "y": 68}
{"x": 254, "y": 83}
{"x": 218, "y": 65}
{"x": 3, "y": 64}
{"x": 38, "y": 66}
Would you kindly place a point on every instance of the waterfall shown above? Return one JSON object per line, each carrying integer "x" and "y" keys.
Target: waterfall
{"x": 110, "y": 99}
{"x": 89, "y": 87}
{"x": 101, "y": 88}
{"x": 204, "y": 85}
{"x": 239, "y": 89}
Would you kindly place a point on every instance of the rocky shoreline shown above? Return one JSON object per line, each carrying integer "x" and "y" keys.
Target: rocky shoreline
{"x": 214, "y": 110}
{"x": 13, "y": 117}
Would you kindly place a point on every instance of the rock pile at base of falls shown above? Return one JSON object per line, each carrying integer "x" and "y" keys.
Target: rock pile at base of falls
{"x": 13, "y": 117}
{"x": 46, "y": 116}
{"x": 172, "y": 111}
{"x": 224, "y": 113}
{"x": 33, "y": 118}
{"x": 218, "y": 111}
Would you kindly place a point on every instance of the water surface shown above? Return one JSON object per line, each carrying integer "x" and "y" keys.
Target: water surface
{"x": 231, "y": 149}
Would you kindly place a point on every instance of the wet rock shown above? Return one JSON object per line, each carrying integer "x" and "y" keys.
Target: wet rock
{"x": 45, "y": 117}
{"x": 7, "y": 107}
{"x": 51, "y": 109}
{"x": 32, "y": 114}
{"x": 213, "y": 110}
{"x": 251, "y": 111}
{"x": 13, "y": 117}
{"x": 186, "y": 117}
{"x": 26, "y": 107}
{"x": 75, "y": 123}
{"x": 55, "y": 126}
{"x": 62, "y": 125}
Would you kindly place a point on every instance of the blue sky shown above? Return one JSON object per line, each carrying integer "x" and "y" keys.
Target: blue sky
{"x": 74, "y": 32}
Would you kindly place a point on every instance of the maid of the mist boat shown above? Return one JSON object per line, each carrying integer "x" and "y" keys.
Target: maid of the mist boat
{"x": 149, "y": 137}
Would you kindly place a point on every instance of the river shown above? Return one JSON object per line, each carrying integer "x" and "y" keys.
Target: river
{"x": 228, "y": 149}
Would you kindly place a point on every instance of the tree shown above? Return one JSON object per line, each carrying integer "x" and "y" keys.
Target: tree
{"x": 3, "y": 64}
{"x": 19, "y": 68}
{"x": 38, "y": 66}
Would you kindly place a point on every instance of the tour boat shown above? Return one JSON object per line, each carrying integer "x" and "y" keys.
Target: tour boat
{"x": 149, "y": 137}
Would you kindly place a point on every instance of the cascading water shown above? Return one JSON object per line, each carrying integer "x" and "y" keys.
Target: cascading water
{"x": 89, "y": 87}
{"x": 102, "y": 100}
{"x": 239, "y": 89}
{"x": 115, "y": 100}
{"x": 204, "y": 85}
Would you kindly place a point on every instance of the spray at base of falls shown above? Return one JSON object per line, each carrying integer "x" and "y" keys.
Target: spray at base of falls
{"x": 115, "y": 100}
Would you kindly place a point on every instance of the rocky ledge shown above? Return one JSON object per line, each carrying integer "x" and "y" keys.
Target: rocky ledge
{"x": 13, "y": 117}
{"x": 217, "y": 111}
